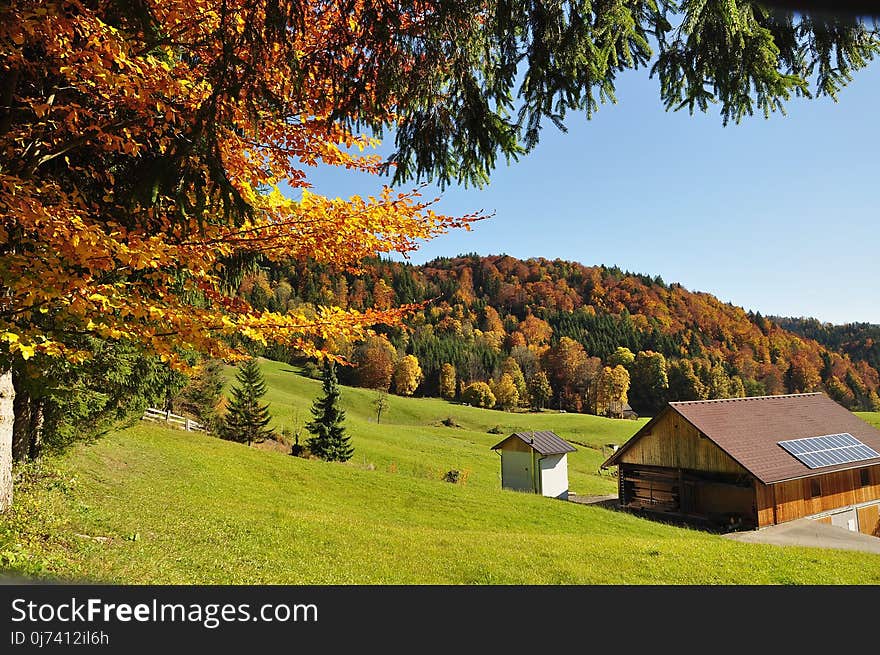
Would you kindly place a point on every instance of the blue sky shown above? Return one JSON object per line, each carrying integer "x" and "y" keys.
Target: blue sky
{"x": 778, "y": 215}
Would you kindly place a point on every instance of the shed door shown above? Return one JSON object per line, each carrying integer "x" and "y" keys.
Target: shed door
{"x": 516, "y": 470}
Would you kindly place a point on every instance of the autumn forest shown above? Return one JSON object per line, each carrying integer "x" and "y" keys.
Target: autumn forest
{"x": 503, "y": 332}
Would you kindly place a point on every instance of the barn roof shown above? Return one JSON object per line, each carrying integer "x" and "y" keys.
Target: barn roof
{"x": 750, "y": 429}
{"x": 545, "y": 442}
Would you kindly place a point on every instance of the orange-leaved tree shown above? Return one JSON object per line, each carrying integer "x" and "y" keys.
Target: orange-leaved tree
{"x": 145, "y": 147}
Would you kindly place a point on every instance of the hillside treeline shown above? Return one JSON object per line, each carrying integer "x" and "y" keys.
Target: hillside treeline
{"x": 600, "y": 337}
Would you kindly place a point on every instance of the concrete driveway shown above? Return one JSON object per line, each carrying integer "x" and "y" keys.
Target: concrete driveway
{"x": 805, "y": 532}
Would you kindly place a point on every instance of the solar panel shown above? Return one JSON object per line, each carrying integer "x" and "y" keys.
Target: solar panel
{"x": 829, "y": 449}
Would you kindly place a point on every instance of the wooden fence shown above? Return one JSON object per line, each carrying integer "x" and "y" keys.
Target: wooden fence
{"x": 153, "y": 414}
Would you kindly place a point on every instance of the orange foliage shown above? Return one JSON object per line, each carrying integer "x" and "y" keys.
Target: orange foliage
{"x": 199, "y": 109}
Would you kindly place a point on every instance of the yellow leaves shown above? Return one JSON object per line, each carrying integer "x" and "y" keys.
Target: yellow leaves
{"x": 25, "y": 350}
{"x": 130, "y": 106}
{"x": 51, "y": 348}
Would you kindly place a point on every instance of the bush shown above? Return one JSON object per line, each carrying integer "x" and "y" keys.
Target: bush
{"x": 298, "y": 450}
{"x": 452, "y": 476}
{"x": 449, "y": 422}
{"x": 495, "y": 430}
{"x": 455, "y": 476}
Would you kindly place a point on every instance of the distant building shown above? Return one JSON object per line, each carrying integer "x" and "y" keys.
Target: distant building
{"x": 617, "y": 409}
{"x": 536, "y": 462}
{"x": 754, "y": 462}
{"x": 627, "y": 412}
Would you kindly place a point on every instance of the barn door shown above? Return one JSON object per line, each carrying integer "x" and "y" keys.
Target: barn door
{"x": 687, "y": 497}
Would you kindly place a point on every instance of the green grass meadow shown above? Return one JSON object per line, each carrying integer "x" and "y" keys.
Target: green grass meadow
{"x": 148, "y": 505}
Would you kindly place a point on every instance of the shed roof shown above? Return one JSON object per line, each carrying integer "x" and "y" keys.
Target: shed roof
{"x": 545, "y": 442}
{"x": 750, "y": 429}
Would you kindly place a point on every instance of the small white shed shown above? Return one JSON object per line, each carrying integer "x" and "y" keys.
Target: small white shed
{"x": 536, "y": 462}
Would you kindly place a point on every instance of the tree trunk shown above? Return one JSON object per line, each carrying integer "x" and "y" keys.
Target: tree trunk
{"x": 21, "y": 424}
{"x": 7, "y": 417}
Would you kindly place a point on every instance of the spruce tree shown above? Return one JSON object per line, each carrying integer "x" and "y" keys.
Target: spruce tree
{"x": 328, "y": 440}
{"x": 246, "y": 419}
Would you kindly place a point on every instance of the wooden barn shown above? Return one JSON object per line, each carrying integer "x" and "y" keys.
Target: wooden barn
{"x": 536, "y": 462}
{"x": 754, "y": 462}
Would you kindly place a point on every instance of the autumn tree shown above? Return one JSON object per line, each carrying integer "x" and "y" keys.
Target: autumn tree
{"x": 140, "y": 175}
{"x": 492, "y": 321}
{"x": 535, "y": 330}
{"x": 609, "y": 391}
{"x": 464, "y": 292}
{"x": 540, "y": 391}
{"x": 374, "y": 359}
{"x": 383, "y": 295}
{"x": 407, "y": 375}
{"x": 802, "y": 375}
{"x": 566, "y": 364}
{"x": 478, "y": 394}
{"x": 283, "y": 292}
{"x": 839, "y": 392}
{"x": 329, "y": 440}
{"x": 246, "y": 419}
{"x": 447, "y": 381}
{"x": 527, "y": 360}
{"x": 684, "y": 383}
{"x": 510, "y": 368}
{"x": 505, "y": 392}
{"x": 649, "y": 381}
{"x": 144, "y": 144}
{"x": 737, "y": 388}
{"x": 622, "y": 356}
{"x": 718, "y": 382}
{"x": 620, "y": 381}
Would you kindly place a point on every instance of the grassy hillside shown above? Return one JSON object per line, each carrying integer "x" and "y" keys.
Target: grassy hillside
{"x": 150, "y": 505}
{"x": 412, "y": 439}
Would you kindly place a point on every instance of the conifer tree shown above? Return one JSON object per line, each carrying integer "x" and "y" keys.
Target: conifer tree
{"x": 328, "y": 440}
{"x": 246, "y": 419}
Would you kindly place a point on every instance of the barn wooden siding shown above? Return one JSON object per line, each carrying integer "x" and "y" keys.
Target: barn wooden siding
{"x": 675, "y": 443}
{"x": 786, "y": 501}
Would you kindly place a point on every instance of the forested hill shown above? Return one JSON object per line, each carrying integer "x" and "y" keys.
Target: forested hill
{"x": 482, "y": 310}
{"x": 861, "y": 341}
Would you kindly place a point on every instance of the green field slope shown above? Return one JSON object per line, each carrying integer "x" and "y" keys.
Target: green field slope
{"x": 412, "y": 440}
{"x": 150, "y": 505}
